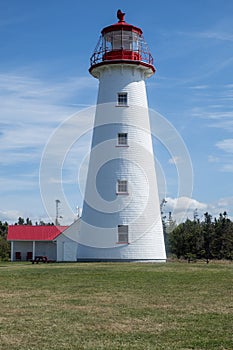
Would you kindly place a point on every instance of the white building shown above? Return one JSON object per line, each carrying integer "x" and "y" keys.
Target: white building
{"x": 121, "y": 212}
{"x": 28, "y": 242}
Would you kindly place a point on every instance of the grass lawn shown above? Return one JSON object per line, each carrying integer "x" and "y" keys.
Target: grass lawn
{"x": 116, "y": 306}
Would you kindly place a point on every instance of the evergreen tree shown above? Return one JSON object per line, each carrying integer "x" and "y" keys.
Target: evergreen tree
{"x": 20, "y": 221}
{"x": 203, "y": 240}
{"x": 4, "y": 245}
{"x": 163, "y": 218}
{"x": 208, "y": 235}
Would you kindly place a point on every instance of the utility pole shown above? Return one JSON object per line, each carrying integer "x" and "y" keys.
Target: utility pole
{"x": 57, "y": 213}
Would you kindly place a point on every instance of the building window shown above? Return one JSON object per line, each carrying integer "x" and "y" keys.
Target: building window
{"x": 122, "y": 139}
{"x": 122, "y": 99}
{"x": 123, "y": 235}
{"x": 122, "y": 186}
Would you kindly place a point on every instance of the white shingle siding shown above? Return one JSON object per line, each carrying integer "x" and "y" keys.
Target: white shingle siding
{"x": 103, "y": 208}
{"x": 122, "y": 78}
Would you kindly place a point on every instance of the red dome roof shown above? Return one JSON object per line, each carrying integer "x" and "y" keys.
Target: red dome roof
{"x": 121, "y": 25}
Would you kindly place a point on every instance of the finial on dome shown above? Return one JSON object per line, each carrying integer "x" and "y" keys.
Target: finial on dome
{"x": 120, "y": 16}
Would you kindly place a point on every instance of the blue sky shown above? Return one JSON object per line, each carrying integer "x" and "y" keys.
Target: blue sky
{"x": 44, "y": 79}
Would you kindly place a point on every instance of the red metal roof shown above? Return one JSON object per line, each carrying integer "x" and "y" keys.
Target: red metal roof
{"x": 121, "y": 25}
{"x": 34, "y": 233}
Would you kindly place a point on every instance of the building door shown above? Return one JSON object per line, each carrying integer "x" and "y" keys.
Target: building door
{"x": 70, "y": 251}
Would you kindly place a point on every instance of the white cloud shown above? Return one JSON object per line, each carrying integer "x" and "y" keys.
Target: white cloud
{"x": 27, "y": 99}
{"x": 230, "y": 86}
{"x": 208, "y": 114}
{"x": 228, "y": 168}
{"x": 175, "y": 160}
{"x": 213, "y": 159}
{"x": 226, "y": 145}
{"x": 223, "y": 36}
{"x": 30, "y": 110}
{"x": 223, "y": 204}
{"x": 226, "y": 160}
{"x": 223, "y": 124}
{"x": 215, "y": 35}
{"x": 182, "y": 203}
{"x": 199, "y": 87}
{"x": 184, "y": 207}
{"x": 218, "y": 111}
{"x": 10, "y": 216}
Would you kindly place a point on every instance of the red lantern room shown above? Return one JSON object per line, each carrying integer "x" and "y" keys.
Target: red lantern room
{"x": 121, "y": 43}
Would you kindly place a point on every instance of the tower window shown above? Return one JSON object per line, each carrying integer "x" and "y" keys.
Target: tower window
{"x": 122, "y": 186}
{"x": 122, "y": 139}
{"x": 123, "y": 234}
{"x": 122, "y": 99}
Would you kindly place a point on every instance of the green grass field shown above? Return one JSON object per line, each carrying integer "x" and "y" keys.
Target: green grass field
{"x": 116, "y": 306}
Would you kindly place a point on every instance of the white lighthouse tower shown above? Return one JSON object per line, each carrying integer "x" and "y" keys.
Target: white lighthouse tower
{"x": 121, "y": 212}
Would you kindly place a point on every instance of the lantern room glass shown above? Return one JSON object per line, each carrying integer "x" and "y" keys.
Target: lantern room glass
{"x": 121, "y": 40}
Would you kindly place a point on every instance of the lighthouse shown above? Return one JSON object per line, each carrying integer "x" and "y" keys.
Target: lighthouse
{"x": 121, "y": 212}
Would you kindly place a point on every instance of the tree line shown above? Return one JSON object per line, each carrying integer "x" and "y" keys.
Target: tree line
{"x": 211, "y": 238}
